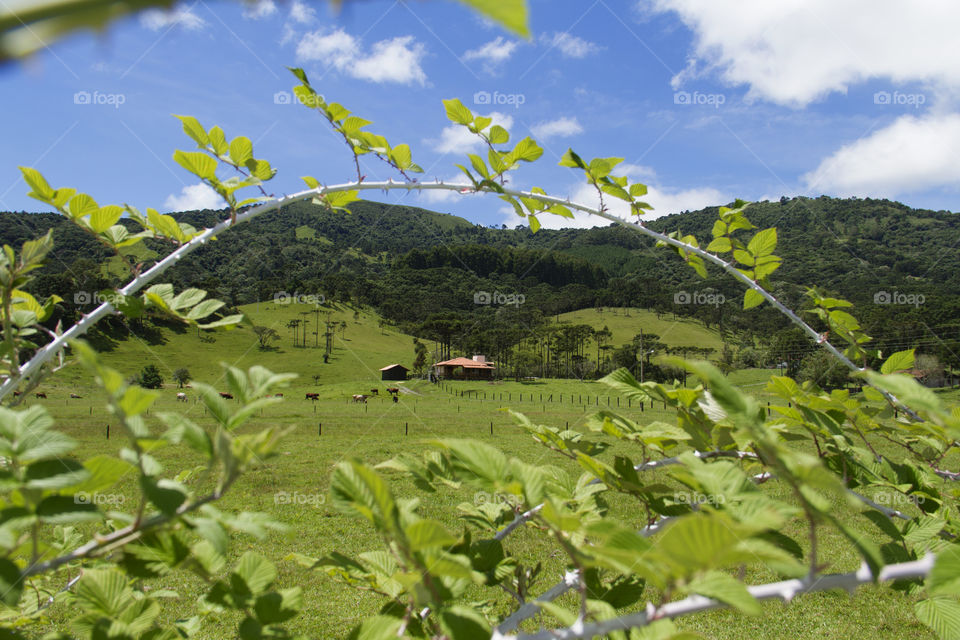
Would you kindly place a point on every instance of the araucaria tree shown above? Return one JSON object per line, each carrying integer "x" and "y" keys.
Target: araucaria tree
{"x": 692, "y": 545}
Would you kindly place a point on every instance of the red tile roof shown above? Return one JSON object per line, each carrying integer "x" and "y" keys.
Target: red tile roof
{"x": 466, "y": 363}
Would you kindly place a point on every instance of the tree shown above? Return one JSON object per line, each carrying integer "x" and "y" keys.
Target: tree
{"x": 420, "y": 356}
{"x": 265, "y": 335}
{"x": 150, "y": 377}
{"x": 181, "y": 376}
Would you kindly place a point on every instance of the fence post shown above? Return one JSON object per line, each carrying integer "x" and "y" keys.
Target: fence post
{"x": 108, "y": 432}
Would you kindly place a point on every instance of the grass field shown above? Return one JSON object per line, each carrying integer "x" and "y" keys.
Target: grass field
{"x": 625, "y": 323}
{"x": 333, "y": 429}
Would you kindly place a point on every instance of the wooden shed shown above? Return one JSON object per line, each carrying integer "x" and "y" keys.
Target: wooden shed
{"x": 394, "y": 372}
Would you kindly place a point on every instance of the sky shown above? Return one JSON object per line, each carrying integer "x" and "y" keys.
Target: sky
{"x": 705, "y": 100}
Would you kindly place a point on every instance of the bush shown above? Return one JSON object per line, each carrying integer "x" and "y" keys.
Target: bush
{"x": 150, "y": 377}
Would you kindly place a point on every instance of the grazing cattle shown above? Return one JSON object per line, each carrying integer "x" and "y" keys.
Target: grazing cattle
{"x": 375, "y": 392}
{"x": 16, "y": 394}
{"x": 181, "y": 397}
{"x": 73, "y": 395}
{"x": 278, "y": 395}
{"x": 393, "y": 390}
{"x": 226, "y": 396}
{"x": 396, "y": 398}
{"x": 359, "y": 397}
{"x": 41, "y": 394}
{"x": 312, "y": 396}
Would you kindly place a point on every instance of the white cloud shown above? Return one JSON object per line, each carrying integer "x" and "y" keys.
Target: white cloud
{"x": 912, "y": 154}
{"x": 559, "y": 128}
{"x": 155, "y": 19}
{"x": 260, "y": 9}
{"x": 457, "y": 140}
{"x": 194, "y": 197}
{"x": 394, "y": 60}
{"x": 570, "y": 45}
{"x": 300, "y": 12}
{"x": 796, "y": 51}
{"x": 494, "y": 52}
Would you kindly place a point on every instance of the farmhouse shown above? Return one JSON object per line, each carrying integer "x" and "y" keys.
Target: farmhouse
{"x": 393, "y": 372}
{"x": 476, "y": 368}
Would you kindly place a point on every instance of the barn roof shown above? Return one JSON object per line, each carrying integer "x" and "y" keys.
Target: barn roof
{"x": 394, "y": 366}
{"x": 466, "y": 363}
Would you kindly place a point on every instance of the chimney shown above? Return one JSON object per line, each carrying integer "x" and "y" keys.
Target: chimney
{"x": 479, "y": 358}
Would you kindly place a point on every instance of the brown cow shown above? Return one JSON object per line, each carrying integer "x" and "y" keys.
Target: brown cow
{"x": 312, "y": 396}
{"x": 359, "y": 397}
{"x": 393, "y": 390}
{"x": 40, "y": 394}
{"x": 226, "y": 396}
{"x": 375, "y": 392}
{"x": 73, "y": 395}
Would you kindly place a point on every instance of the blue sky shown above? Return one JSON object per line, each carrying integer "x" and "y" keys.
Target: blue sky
{"x": 706, "y": 100}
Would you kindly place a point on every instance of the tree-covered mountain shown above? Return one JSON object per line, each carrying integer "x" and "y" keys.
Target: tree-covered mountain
{"x": 423, "y": 270}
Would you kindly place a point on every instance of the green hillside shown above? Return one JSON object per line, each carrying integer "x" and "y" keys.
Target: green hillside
{"x": 359, "y": 350}
{"x": 625, "y": 323}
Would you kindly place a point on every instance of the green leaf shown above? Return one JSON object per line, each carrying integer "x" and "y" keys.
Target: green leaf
{"x": 944, "y": 578}
{"x": 463, "y": 623}
{"x": 273, "y": 608}
{"x": 55, "y": 474}
{"x": 752, "y": 298}
{"x": 377, "y": 628}
{"x": 164, "y": 494}
{"x": 725, "y": 588}
{"x": 498, "y": 135}
{"x": 241, "y": 150}
{"x": 400, "y": 155}
{"x": 457, "y": 113}
{"x": 428, "y": 533}
{"x": 67, "y": 509}
{"x": 942, "y": 614}
{"x": 105, "y": 217}
{"x": 11, "y": 585}
{"x": 763, "y": 242}
{"x": 511, "y": 14}
{"x": 197, "y": 163}
{"x": 104, "y": 592}
{"x": 193, "y": 128}
{"x": 900, "y": 361}
{"x": 257, "y": 572}
{"x": 41, "y": 190}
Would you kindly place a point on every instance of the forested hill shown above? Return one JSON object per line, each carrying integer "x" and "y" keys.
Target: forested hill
{"x": 413, "y": 264}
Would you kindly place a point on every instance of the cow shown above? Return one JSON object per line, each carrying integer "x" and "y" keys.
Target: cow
{"x": 278, "y": 395}
{"x": 40, "y": 394}
{"x": 393, "y": 390}
{"x": 73, "y": 395}
{"x": 226, "y": 396}
{"x": 375, "y": 392}
{"x": 359, "y": 397}
{"x": 181, "y": 397}
{"x": 312, "y": 396}
{"x": 17, "y": 394}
